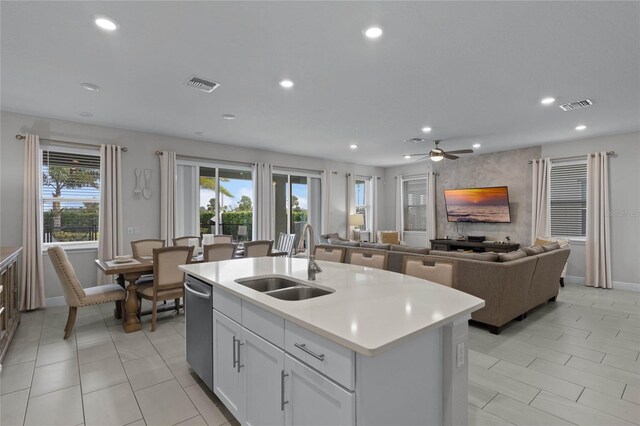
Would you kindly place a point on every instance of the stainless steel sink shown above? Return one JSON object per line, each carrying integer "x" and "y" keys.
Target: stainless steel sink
{"x": 299, "y": 292}
{"x": 266, "y": 284}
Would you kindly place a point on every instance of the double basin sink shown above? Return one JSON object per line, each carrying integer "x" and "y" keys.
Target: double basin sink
{"x": 282, "y": 288}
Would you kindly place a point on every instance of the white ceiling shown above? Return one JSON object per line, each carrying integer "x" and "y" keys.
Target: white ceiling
{"x": 474, "y": 71}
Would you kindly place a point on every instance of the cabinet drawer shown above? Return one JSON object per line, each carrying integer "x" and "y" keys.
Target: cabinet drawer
{"x": 263, "y": 323}
{"x": 227, "y": 304}
{"x": 329, "y": 358}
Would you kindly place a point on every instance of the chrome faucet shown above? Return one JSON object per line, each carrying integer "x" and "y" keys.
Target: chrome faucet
{"x": 312, "y": 266}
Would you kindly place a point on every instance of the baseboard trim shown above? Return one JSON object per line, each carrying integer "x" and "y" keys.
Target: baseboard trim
{"x": 617, "y": 285}
{"x": 55, "y": 301}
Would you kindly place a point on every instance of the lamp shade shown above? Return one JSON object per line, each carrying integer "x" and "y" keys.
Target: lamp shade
{"x": 356, "y": 219}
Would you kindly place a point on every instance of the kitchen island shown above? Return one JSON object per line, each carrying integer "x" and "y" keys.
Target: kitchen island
{"x": 378, "y": 348}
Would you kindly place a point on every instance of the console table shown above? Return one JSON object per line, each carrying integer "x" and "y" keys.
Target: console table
{"x": 453, "y": 245}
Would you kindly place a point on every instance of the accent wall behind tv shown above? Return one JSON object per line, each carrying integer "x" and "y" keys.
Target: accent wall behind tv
{"x": 505, "y": 168}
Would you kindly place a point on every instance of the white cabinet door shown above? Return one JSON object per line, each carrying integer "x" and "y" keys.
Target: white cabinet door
{"x": 313, "y": 399}
{"x": 264, "y": 381}
{"x": 228, "y": 382}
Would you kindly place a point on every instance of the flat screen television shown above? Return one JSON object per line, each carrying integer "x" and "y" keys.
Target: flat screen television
{"x": 479, "y": 205}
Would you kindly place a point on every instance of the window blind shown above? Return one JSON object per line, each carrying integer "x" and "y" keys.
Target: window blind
{"x": 568, "y": 199}
{"x": 414, "y": 199}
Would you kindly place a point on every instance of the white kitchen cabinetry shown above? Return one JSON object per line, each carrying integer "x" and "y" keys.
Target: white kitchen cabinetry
{"x": 263, "y": 380}
{"x": 313, "y": 399}
{"x": 228, "y": 382}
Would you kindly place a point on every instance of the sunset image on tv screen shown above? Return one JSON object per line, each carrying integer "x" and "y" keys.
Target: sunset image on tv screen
{"x": 478, "y": 205}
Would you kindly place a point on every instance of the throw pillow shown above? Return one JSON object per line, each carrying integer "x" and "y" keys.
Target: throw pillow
{"x": 542, "y": 242}
{"x": 514, "y": 255}
{"x": 533, "y": 250}
{"x": 551, "y": 246}
{"x": 389, "y": 237}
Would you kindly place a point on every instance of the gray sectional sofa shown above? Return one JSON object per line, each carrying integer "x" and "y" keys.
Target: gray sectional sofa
{"x": 511, "y": 284}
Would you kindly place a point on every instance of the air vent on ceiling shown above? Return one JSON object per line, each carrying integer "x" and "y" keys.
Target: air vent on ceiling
{"x": 576, "y": 105}
{"x": 202, "y": 84}
{"x": 414, "y": 140}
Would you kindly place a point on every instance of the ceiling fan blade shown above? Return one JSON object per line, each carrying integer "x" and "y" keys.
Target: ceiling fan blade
{"x": 415, "y": 155}
{"x": 449, "y": 156}
{"x": 461, "y": 151}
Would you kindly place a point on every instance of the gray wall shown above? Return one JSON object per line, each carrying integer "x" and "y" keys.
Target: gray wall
{"x": 624, "y": 179}
{"x": 508, "y": 168}
{"x": 138, "y": 213}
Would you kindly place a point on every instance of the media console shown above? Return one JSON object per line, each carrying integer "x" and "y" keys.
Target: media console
{"x": 454, "y": 245}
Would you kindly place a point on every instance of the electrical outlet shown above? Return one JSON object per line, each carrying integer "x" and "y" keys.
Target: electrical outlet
{"x": 130, "y": 230}
{"x": 460, "y": 355}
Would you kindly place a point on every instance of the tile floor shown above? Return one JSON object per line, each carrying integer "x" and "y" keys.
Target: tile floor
{"x": 570, "y": 362}
{"x": 102, "y": 376}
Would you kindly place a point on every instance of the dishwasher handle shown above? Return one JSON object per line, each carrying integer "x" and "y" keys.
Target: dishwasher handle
{"x": 195, "y": 292}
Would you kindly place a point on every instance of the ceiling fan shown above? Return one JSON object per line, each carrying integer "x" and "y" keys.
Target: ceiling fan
{"x": 437, "y": 153}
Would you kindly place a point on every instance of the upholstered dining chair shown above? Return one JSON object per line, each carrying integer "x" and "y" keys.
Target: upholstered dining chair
{"x": 144, "y": 248}
{"x": 168, "y": 280}
{"x": 221, "y": 239}
{"x": 367, "y": 257}
{"x": 440, "y": 271}
{"x": 219, "y": 251}
{"x": 331, "y": 254}
{"x": 189, "y": 240}
{"x": 258, "y": 248}
{"x": 74, "y": 294}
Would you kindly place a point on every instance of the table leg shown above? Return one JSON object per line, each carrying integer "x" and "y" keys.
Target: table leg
{"x": 132, "y": 322}
{"x": 117, "y": 312}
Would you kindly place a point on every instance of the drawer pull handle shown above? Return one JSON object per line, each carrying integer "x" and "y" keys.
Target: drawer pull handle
{"x": 303, "y": 347}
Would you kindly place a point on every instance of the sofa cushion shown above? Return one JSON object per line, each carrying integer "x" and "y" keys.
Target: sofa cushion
{"x": 375, "y": 245}
{"x": 409, "y": 249}
{"x": 533, "y": 250}
{"x": 551, "y": 246}
{"x": 486, "y": 257}
{"x": 507, "y": 257}
{"x": 344, "y": 243}
{"x": 389, "y": 237}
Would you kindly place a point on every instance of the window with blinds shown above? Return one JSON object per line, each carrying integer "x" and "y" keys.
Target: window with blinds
{"x": 568, "y": 199}
{"x": 414, "y": 200}
{"x": 70, "y": 196}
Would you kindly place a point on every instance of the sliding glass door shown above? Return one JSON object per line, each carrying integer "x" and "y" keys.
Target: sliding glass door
{"x": 214, "y": 200}
{"x": 297, "y": 201}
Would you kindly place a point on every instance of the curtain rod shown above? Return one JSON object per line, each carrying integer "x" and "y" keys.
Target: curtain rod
{"x": 574, "y": 157}
{"x": 58, "y": 141}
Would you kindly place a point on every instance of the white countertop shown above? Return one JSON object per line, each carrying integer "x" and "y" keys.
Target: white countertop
{"x": 370, "y": 311}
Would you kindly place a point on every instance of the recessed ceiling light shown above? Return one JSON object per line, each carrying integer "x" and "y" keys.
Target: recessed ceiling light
{"x": 198, "y": 133}
{"x": 353, "y": 146}
{"x": 228, "y": 116}
{"x": 90, "y": 87}
{"x": 105, "y": 23}
{"x": 547, "y": 101}
{"x": 476, "y": 145}
{"x": 286, "y": 83}
{"x": 426, "y": 129}
{"x": 85, "y": 114}
{"x": 373, "y": 32}
{"x": 581, "y": 127}
{"x": 407, "y": 157}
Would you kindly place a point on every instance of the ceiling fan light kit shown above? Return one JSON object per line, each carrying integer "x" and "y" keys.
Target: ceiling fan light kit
{"x": 438, "y": 154}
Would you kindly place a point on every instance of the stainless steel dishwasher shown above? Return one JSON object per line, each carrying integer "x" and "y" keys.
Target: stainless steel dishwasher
{"x": 199, "y": 317}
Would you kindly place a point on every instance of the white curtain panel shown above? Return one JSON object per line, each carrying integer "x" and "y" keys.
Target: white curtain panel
{"x": 32, "y": 285}
{"x": 262, "y": 209}
{"x": 399, "y": 205}
{"x": 375, "y": 197}
{"x": 314, "y": 204}
{"x": 351, "y": 201}
{"x": 598, "y": 246}
{"x": 431, "y": 207}
{"x": 540, "y": 207}
{"x": 326, "y": 201}
{"x": 110, "y": 237}
{"x": 167, "y": 195}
